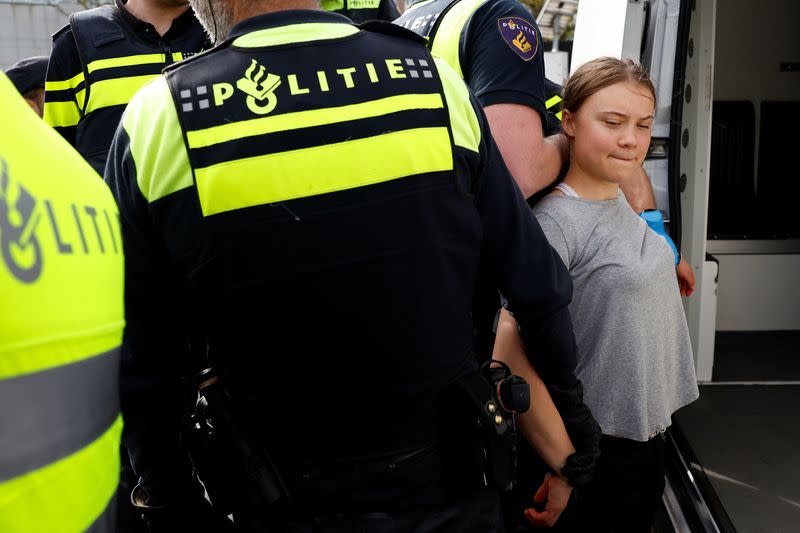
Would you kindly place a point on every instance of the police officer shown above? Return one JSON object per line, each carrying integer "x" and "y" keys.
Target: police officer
{"x": 61, "y": 321}
{"x": 317, "y": 198}
{"x": 496, "y": 47}
{"x": 103, "y": 56}
{"x": 363, "y": 10}
{"x": 28, "y": 76}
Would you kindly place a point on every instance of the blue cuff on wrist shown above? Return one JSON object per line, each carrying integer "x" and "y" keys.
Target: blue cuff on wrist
{"x": 656, "y": 223}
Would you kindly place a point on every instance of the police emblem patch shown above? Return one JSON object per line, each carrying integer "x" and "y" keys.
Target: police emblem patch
{"x": 520, "y": 36}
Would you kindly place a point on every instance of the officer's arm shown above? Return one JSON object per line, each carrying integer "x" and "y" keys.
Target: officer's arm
{"x": 534, "y": 160}
{"x": 63, "y": 89}
{"x": 154, "y": 336}
{"x": 504, "y": 66}
{"x": 639, "y": 191}
{"x": 526, "y": 269}
{"x": 537, "y": 285}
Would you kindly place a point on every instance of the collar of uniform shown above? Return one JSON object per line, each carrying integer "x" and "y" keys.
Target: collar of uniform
{"x": 285, "y": 18}
{"x": 147, "y": 30}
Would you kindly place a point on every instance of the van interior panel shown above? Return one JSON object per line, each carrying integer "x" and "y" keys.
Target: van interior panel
{"x": 778, "y": 184}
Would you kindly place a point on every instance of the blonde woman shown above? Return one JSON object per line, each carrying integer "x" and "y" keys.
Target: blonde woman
{"x": 635, "y": 359}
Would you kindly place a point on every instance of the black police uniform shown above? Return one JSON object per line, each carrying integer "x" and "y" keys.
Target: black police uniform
{"x": 363, "y": 10}
{"x": 329, "y": 196}
{"x": 99, "y": 60}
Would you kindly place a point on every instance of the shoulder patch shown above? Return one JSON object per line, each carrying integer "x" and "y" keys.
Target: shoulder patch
{"x": 520, "y": 36}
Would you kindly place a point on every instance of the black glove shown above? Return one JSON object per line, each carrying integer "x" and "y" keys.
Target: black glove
{"x": 191, "y": 512}
{"x": 583, "y": 430}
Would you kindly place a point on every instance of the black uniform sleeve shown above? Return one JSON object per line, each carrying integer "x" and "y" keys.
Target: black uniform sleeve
{"x": 154, "y": 341}
{"x": 526, "y": 269}
{"x": 63, "y": 83}
{"x": 538, "y": 288}
{"x": 502, "y": 56}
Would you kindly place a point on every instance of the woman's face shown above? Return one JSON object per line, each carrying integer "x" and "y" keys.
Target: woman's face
{"x": 610, "y": 132}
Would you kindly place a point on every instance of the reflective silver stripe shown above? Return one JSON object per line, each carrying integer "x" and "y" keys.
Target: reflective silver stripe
{"x": 48, "y": 415}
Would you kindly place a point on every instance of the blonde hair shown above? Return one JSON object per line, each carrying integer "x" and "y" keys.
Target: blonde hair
{"x": 600, "y": 73}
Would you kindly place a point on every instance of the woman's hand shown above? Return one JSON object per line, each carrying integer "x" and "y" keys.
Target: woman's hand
{"x": 555, "y": 491}
{"x": 685, "y": 277}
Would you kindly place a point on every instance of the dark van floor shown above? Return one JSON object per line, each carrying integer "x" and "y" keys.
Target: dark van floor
{"x": 743, "y": 441}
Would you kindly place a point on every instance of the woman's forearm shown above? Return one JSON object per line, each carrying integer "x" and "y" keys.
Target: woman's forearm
{"x": 541, "y": 424}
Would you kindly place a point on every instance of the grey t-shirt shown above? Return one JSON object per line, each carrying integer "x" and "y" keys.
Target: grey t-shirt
{"x": 635, "y": 357}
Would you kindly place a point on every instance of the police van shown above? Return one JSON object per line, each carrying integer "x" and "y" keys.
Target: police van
{"x": 721, "y": 161}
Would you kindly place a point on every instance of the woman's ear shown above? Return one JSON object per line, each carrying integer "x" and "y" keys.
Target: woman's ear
{"x": 568, "y": 124}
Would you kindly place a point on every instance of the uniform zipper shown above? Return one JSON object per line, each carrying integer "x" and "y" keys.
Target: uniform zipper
{"x": 167, "y": 53}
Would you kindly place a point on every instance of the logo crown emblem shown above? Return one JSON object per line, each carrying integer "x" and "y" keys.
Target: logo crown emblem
{"x": 521, "y": 42}
{"x": 255, "y": 84}
{"x": 19, "y": 245}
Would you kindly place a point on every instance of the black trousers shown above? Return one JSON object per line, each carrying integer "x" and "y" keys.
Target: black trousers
{"x": 622, "y": 498}
{"x": 477, "y": 513}
{"x": 421, "y": 490}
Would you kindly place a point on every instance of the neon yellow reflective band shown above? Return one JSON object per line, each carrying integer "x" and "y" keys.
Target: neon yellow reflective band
{"x": 17, "y": 359}
{"x": 558, "y": 115}
{"x": 157, "y": 147}
{"x": 553, "y": 100}
{"x": 118, "y": 91}
{"x": 63, "y": 85}
{"x": 447, "y": 40}
{"x": 316, "y": 117}
{"x": 177, "y": 56}
{"x": 363, "y": 4}
{"x": 322, "y": 169}
{"x": 332, "y": 5}
{"x": 125, "y": 61}
{"x": 66, "y": 496}
{"x": 463, "y": 120}
{"x": 295, "y": 33}
{"x": 61, "y": 114}
{"x": 79, "y": 97}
